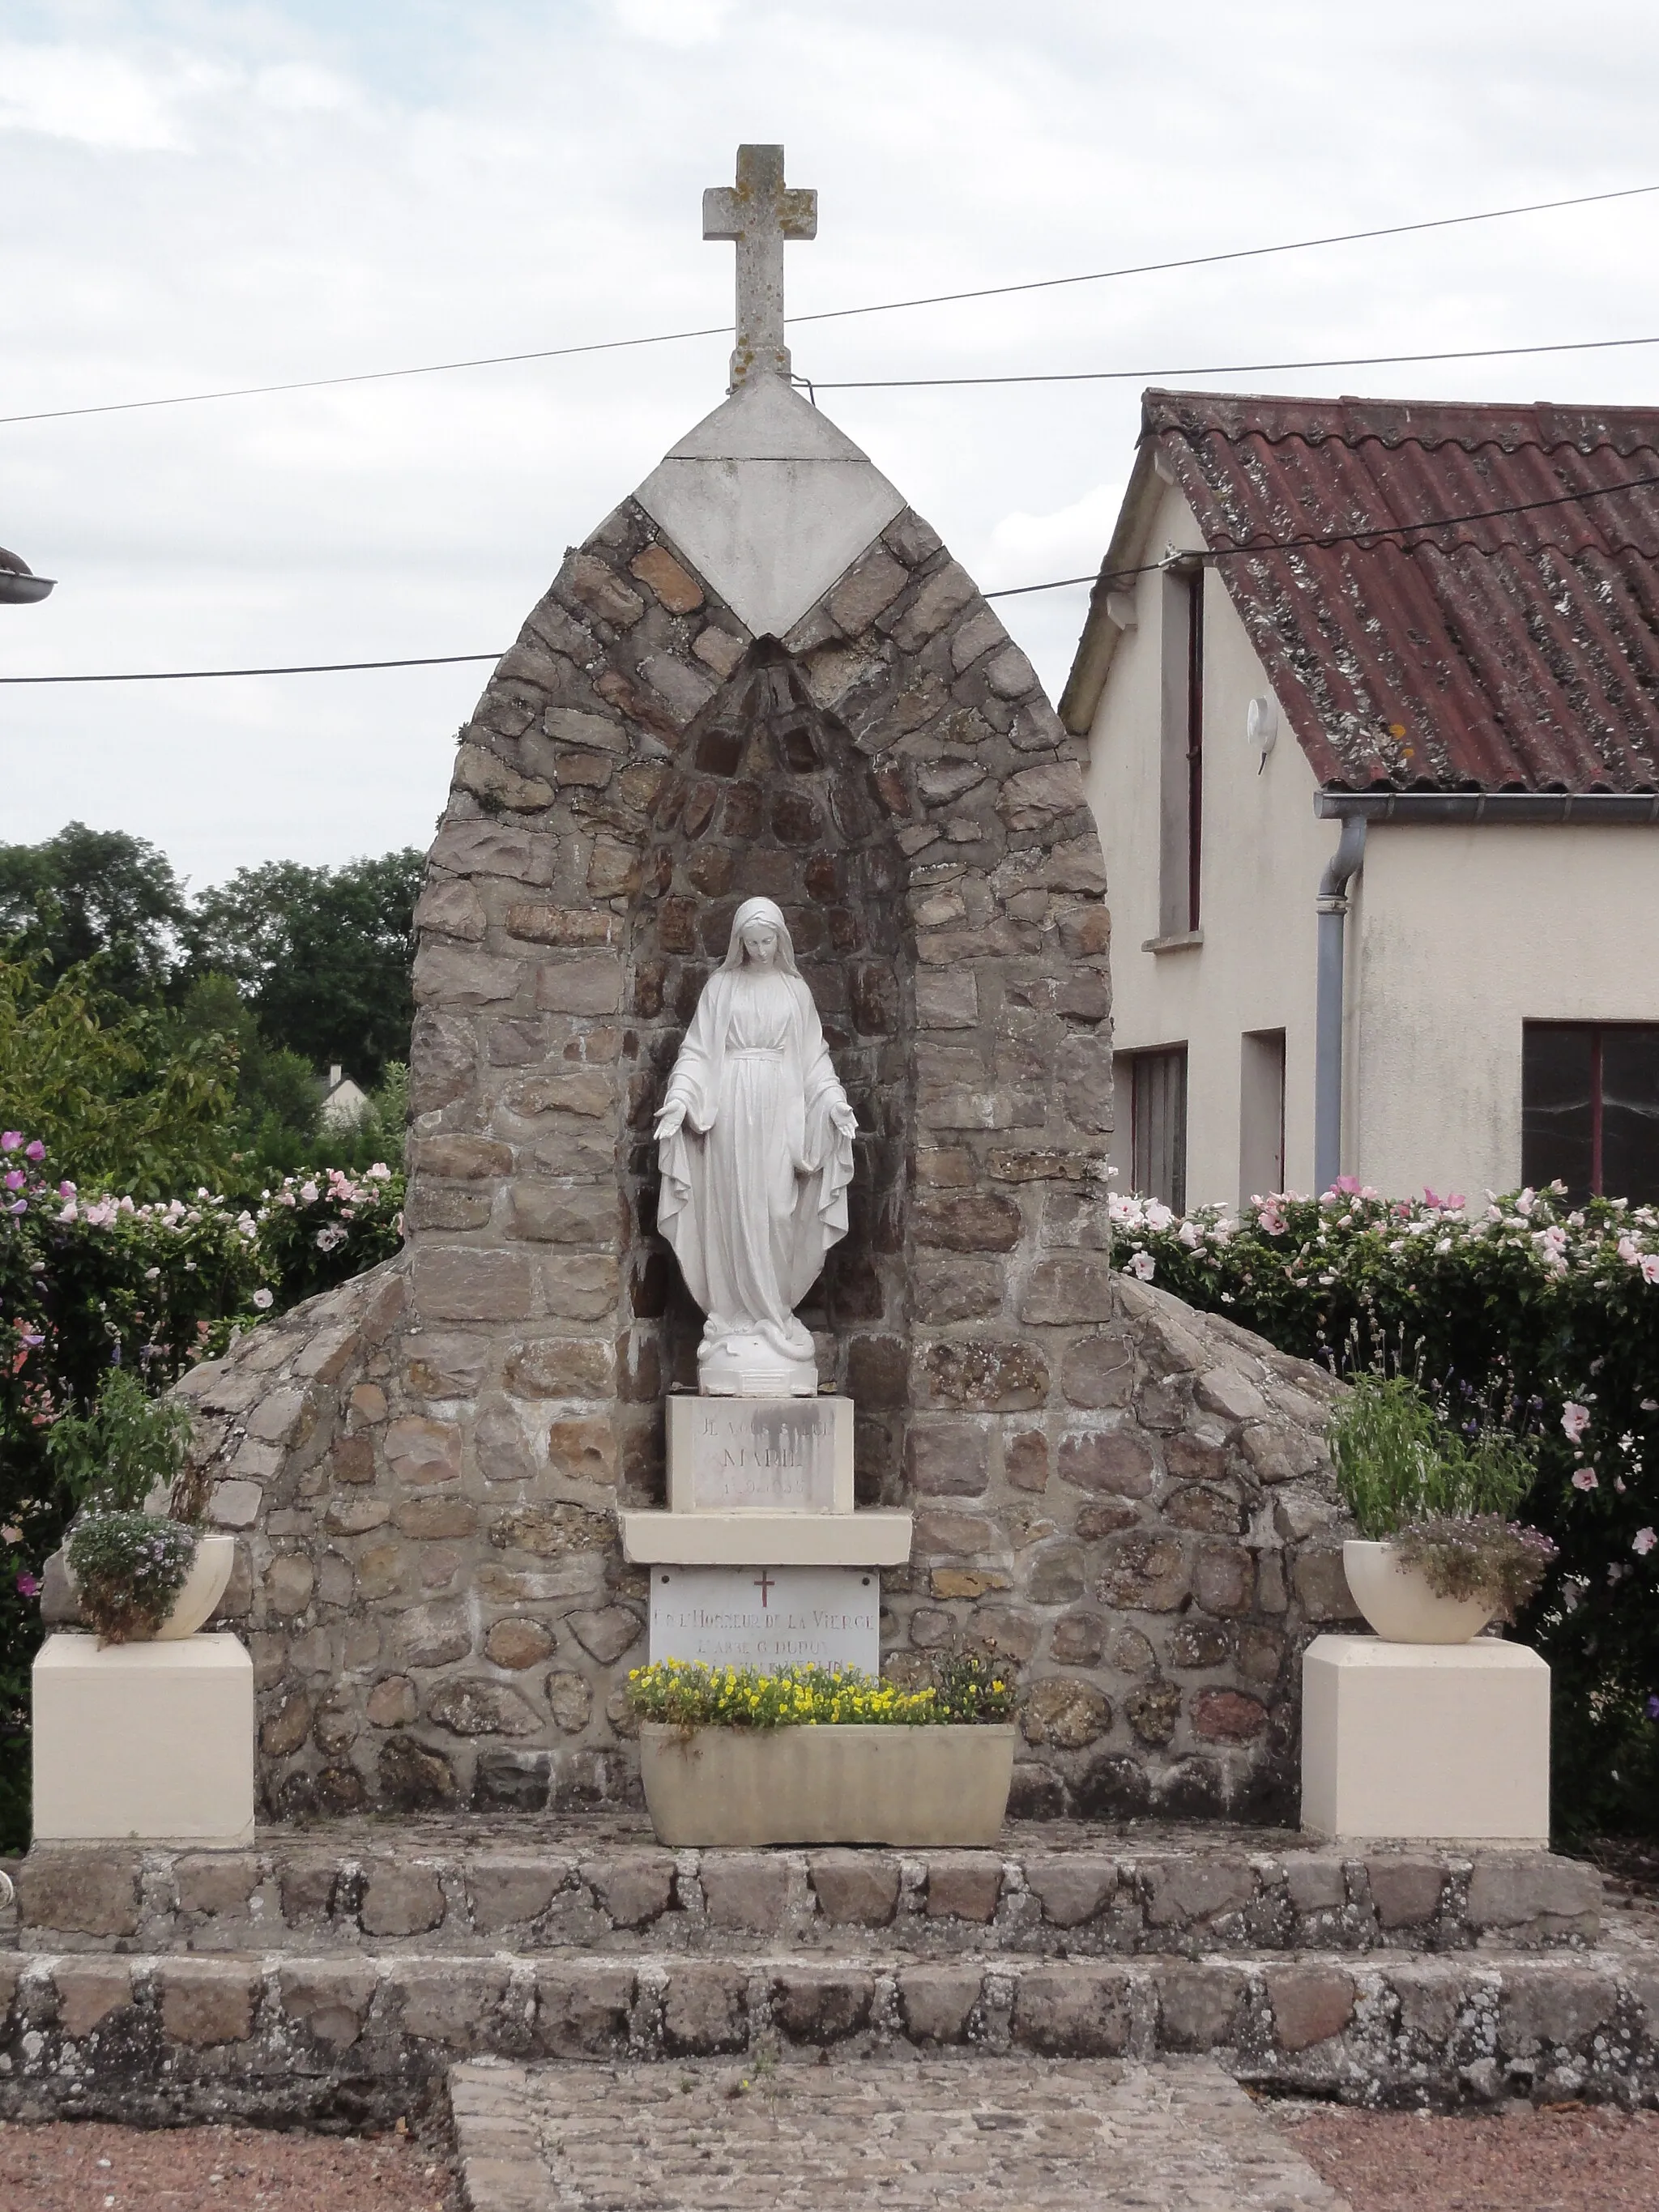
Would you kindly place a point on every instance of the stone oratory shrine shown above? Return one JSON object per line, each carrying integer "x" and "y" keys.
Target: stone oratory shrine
{"x": 916, "y": 1413}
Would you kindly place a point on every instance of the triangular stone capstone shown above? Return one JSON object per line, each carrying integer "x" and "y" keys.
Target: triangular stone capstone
{"x": 769, "y": 502}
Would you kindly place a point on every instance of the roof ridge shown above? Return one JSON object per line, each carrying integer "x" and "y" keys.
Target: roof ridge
{"x": 1543, "y": 426}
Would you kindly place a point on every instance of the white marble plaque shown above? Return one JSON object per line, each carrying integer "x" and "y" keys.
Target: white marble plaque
{"x": 760, "y": 1455}
{"x": 768, "y": 1617}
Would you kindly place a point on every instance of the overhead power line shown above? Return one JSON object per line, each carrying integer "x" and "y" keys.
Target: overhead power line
{"x": 1313, "y": 541}
{"x": 1219, "y": 368}
{"x": 840, "y": 314}
{"x": 1244, "y": 551}
{"x": 300, "y": 668}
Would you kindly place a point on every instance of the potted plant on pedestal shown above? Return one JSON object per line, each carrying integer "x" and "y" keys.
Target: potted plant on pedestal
{"x": 820, "y": 1755}
{"x": 1439, "y": 1554}
{"x": 138, "y": 1575}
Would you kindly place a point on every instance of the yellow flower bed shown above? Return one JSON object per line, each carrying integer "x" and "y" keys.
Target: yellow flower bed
{"x": 687, "y": 1694}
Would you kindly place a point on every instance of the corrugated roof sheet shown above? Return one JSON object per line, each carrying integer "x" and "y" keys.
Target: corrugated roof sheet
{"x": 1520, "y": 653}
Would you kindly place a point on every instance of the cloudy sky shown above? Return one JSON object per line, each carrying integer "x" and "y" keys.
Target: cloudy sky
{"x": 205, "y": 195}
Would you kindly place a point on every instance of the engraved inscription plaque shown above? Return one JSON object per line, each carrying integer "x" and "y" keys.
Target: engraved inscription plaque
{"x": 768, "y": 1617}
{"x": 760, "y": 1455}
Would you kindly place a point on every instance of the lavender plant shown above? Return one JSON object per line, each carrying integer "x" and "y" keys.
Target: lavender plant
{"x": 128, "y": 1569}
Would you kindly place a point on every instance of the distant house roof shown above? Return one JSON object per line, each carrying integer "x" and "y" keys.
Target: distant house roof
{"x": 1520, "y": 653}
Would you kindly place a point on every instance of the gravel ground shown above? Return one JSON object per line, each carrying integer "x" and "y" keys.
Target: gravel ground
{"x": 1565, "y": 2159}
{"x": 84, "y": 2165}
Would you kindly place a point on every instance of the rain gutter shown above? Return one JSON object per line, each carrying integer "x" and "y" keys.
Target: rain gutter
{"x": 1608, "y": 807}
{"x": 1333, "y": 909}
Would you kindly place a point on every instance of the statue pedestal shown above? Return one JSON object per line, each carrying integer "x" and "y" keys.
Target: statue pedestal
{"x": 760, "y": 1455}
{"x": 1449, "y": 1741}
{"x": 761, "y": 1559}
{"x": 151, "y": 1740}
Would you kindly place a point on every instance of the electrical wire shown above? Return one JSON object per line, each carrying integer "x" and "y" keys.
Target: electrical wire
{"x": 840, "y": 314}
{"x": 302, "y": 668}
{"x": 1254, "y": 546}
{"x": 1243, "y": 550}
{"x": 1222, "y": 369}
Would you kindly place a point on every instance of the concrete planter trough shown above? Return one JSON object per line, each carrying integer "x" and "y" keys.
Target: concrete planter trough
{"x": 915, "y": 1786}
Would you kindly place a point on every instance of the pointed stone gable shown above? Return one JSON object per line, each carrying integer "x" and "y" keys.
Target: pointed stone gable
{"x": 769, "y": 502}
{"x": 763, "y": 674}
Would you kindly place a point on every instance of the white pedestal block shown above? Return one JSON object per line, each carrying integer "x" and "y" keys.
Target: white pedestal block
{"x": 877, "y": 1538}
{"x": 1449, "y": 1741}
{"x": 760, "y": 1455}
{"x": 152, "y": 1740}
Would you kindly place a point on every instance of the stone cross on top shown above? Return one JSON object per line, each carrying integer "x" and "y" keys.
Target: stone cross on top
{"x": 759, "y": 213}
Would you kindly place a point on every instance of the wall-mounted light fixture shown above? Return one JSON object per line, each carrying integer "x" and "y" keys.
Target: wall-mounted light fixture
{"x": 19, "y": 586}
{"x": 1261, "y": 728}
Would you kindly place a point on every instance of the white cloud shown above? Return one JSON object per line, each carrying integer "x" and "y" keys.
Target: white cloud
{"x": 100, "y": 99}
{"x": 1067, "y": 542}
{"x": 302, "y": 90}
{"x": 675, "y": 22}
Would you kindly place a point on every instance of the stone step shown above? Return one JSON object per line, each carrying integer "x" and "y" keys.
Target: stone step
{"x": 318, "y": 2037}
{"x": 1005, "y": 2135}
{"x": 473, "y": 1886}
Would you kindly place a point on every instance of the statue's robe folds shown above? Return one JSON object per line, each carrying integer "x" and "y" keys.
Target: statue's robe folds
{"x": 754, "y": 1181}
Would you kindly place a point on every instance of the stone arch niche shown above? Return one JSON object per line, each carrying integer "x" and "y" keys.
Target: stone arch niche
{"x": 770, "y": 799}
{"x": 1128, "y": 1500}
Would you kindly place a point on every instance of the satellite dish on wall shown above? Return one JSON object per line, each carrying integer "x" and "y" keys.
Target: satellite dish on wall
{"x": 1261, "y": 728}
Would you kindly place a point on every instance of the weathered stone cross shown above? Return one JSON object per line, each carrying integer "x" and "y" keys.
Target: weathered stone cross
{"x": 759, "y": 213}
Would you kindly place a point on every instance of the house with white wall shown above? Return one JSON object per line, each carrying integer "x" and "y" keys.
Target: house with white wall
{"x": 1368, "y": 696}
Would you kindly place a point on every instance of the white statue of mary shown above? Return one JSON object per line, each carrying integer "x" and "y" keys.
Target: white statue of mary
{"x": 754, "y": 1137}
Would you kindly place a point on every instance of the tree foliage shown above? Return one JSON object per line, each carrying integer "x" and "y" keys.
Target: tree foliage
{"x": 219, "y": 1015}
{"x": 123, "y": 1094}
{"x": 100, "y": 894}
{"x": 322, "y": 955}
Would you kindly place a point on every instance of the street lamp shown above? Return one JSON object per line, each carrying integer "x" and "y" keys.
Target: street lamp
{"x": 19, "y": 586}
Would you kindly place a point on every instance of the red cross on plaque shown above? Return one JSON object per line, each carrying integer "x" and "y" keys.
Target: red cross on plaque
{"x": 763, "y": 1583}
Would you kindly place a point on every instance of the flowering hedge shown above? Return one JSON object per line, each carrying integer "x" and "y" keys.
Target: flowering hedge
{"x": 1544, "y": 1313}
{"x": 88, "y": 1280}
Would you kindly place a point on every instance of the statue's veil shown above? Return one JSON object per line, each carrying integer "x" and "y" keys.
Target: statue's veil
{"x": 761, "y": 909}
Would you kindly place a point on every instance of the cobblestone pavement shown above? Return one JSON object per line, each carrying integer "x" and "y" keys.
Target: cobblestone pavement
{"x": 1001, "y": 2135}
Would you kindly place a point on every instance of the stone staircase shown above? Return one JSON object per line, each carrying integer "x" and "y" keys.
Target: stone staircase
{"x": 333, "y": 1972}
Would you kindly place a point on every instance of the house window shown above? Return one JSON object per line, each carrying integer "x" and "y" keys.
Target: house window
{"x": 1181, "y": 812}
{"x": 1590, "y": 1108}
{"x": 1261, "y": 1114}
{"x": 1158, "y": 1124}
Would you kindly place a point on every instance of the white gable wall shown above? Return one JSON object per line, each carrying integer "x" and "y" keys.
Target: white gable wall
{"x": 1456, "y": 937}
{"x": 1263, "y": 853}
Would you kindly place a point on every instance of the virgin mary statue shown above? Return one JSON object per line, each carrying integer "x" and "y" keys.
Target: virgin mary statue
{"x": 754, "y": 1137}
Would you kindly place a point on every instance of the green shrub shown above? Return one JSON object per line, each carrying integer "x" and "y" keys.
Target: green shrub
{"x": 1544, "y": 1313}
{"x": 130, "y": 1443}
{"x": 128, "y": 1569}
{"x": 1397, "y": 1460}
{"x": 95, "y": 1287}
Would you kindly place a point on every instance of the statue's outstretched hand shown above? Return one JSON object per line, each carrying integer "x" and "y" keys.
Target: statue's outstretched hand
{"x": 845, "y": 1120}
{"x": 671, "y": 1120}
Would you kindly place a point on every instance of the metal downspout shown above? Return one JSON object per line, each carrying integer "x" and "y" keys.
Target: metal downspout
{"x": 1333, "y": 909}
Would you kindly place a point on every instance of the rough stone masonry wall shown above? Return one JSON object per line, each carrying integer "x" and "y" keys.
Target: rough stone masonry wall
{"x": 1128, "y": 1501}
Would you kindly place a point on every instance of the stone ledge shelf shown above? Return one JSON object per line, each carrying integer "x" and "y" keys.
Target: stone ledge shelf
{"x": 752, "y": 1539}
